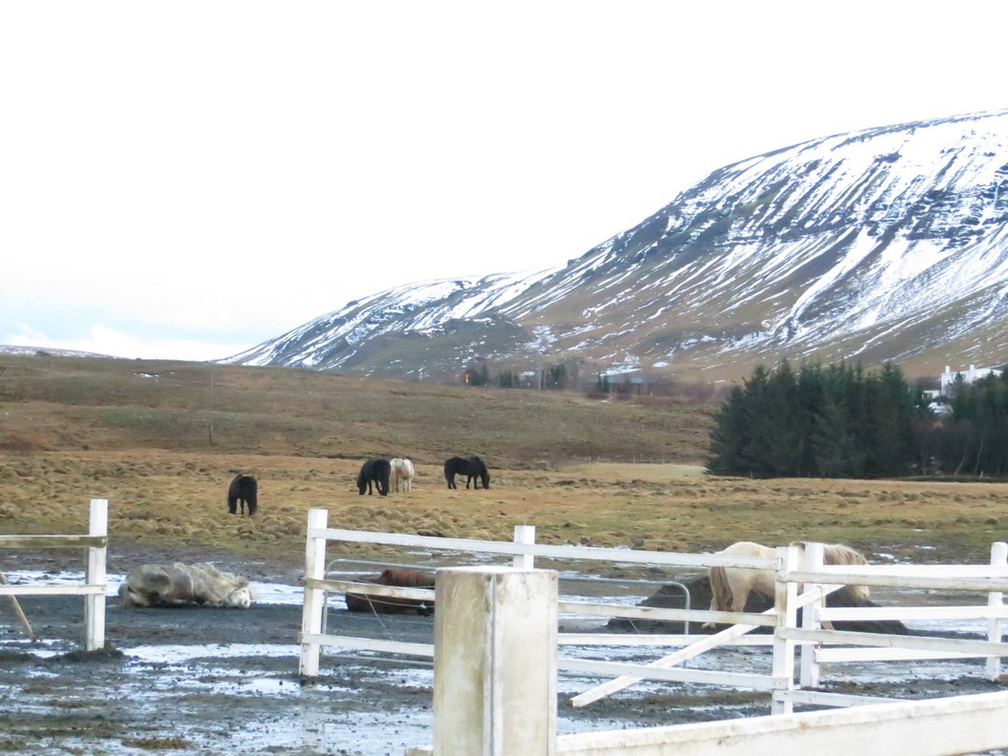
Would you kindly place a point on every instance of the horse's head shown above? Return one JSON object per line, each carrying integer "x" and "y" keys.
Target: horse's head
{"x": 482, "y": 471}
{"x": 240, "y": 598}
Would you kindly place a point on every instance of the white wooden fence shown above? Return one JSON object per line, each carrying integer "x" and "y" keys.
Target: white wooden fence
{"x": 799, "y": 584}
{"x": 94, "y": 585}
{"x": 523, "y": 551}
{"x": 818, "y": 646}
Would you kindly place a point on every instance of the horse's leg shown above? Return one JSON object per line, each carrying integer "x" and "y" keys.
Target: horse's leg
{"x": 714, "y": 608}
{"x": 738, "y": 599}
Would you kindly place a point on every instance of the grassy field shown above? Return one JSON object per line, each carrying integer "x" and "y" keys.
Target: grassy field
{"x": 162, "y": 440}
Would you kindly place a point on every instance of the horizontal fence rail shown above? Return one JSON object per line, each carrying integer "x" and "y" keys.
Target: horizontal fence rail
{"x": 514, "y": 549}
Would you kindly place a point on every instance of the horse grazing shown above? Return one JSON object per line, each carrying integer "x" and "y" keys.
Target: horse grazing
{"x": 473, "y": 468}
{"x": 376, "y": 471}
{"x": 402, "y": 475}
{"x": 154, "y": 585}
{"x": 400, "y": 576}
{"x": 731, "y": 586}
{"x": 243, "y": 490}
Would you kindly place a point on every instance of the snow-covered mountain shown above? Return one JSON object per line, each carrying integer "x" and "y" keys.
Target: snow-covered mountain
{"x": 884, "y": 244}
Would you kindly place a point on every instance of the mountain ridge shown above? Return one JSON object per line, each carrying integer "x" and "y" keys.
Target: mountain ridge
{"x": 886, "y": 244}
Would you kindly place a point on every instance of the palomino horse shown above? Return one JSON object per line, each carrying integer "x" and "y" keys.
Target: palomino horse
{"x": 402, "y": 475}
{"x": 731, "y": 586}
{"x": 184, "y": 584}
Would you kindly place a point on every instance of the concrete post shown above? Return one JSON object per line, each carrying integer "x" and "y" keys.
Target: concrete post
{"x": 495, "y": 642}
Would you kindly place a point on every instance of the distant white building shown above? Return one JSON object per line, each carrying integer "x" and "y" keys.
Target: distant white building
{"x": 947, "y": 383}
{"x": 974, "y": 374}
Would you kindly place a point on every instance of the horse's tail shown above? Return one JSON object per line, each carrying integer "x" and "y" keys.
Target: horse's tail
{"x": 720, "y": 589}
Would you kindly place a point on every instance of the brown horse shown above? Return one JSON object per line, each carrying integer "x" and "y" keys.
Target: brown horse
{"x": 731, "y": 586}
{"x": 401, "y": 576}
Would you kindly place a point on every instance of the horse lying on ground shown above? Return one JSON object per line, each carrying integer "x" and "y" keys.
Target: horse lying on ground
{"x": 731, "y": 586}
{"x": 243, "y": 490}
{"x": 400, "y": 576}
{"x": 473, "y": 468}
{"x": 376, "y": 471}
{"x": 402, "y": 475}
{"x": 158, "y": 585}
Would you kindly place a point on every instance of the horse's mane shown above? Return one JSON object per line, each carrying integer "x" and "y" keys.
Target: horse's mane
{"x": 837, "y": 553}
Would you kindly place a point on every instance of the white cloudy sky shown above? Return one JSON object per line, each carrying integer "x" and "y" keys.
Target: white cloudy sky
{"x": 187, "y": 179}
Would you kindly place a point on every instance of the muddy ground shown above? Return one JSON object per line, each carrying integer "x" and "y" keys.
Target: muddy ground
{"x": 218, "y": 681}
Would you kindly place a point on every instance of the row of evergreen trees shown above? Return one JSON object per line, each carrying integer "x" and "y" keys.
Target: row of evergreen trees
{"x": 842, "y": 421}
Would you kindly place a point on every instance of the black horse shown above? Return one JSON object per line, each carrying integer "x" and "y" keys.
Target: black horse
{"x": 473, "y": 468}
{"x": 243, "y": 490}
{"x": 375, "y": 471}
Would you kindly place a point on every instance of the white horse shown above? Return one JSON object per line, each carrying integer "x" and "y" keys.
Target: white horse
{"x": 731, "y": 586}
{"x": 402, "y": 475}
{"x": 181, "y": 584}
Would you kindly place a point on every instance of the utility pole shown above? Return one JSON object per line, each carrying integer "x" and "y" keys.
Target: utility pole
{"x": 212, "y": 374}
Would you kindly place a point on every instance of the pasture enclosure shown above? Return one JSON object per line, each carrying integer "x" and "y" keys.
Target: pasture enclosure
{"x": 800, "y": 583}
{"x": 93, "y": 587}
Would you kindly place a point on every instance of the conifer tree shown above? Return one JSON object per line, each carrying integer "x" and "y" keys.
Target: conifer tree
{"x": 834, "y": 421}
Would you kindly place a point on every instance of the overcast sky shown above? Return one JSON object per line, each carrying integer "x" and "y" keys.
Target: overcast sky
{"x": 189, "y": 179}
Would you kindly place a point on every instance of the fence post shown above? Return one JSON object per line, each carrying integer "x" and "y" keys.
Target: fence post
{"x": 995, "y": 625}
{"x": 809, "y": 667}
{"x": 311, "y": 614}
{"x": 495, "y": 645}
{"x": 524, "y": 534}
{"x": 785, "y": 598}
{"x": 94, "y": 603}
